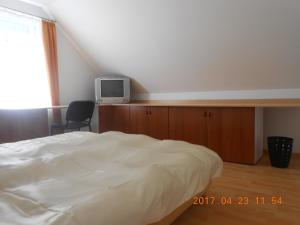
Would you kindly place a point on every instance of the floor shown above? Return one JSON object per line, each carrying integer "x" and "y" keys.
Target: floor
{"x": 232, "y": 198}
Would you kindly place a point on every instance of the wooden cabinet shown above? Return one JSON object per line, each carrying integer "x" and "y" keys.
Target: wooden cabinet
{"x": 114, "y": 118}
{"x": 196, "y": 125}
{"x": 237, "y": 139}
{"x": 227, "y": 131}
{"x": 120, "y": 118}
{"x": 233, "y": 132}
{"x": 104, "y": 118}
{"x": 188, "y": 124}
{"x": 152, "y": 121}
{"x": 139, "y": 120}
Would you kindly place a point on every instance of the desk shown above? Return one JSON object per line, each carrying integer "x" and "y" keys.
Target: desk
{"x": 219, "y": 103}
{"x": 57, "y": 107}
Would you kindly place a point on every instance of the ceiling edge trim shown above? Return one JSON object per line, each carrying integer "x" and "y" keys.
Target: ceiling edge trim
{"x": 217, "y": 95}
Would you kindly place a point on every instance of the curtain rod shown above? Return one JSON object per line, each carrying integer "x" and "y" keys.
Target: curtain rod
{"x": 28, "y": 14}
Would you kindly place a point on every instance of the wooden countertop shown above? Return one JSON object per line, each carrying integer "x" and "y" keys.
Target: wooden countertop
{"x": 219, "y": 103}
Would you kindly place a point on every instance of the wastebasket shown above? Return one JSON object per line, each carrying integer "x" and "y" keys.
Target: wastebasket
{"x": 280, "y": 150}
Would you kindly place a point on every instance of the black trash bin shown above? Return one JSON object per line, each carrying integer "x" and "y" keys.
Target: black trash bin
{"x": 280, "y": 150}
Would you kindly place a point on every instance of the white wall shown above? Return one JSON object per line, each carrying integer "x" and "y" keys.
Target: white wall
{"x": 190, "y": 45}
{"x": 283, "y": 122}
{"x": 76, "y": 76}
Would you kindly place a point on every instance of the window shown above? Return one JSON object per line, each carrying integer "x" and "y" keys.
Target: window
{"x": 23, "y": 71}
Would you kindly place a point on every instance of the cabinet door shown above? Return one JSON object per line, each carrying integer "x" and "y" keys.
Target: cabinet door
{"x": 113, "y": 118}
{"x": 195, "y": 126}
{"x": 176, "y": 123}
{"x": 158, "y": 120}
{"x": 214, "y": 130}
{"x": 188, "y": 124}
{"x": 139, "y": 120}
{"x": 105, "y": 118}
{"x": 238, "y": 134}
{"x": 120, "y": 118}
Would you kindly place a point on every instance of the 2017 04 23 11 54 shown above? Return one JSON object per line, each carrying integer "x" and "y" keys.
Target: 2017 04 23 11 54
{"x": 237, "y": 200}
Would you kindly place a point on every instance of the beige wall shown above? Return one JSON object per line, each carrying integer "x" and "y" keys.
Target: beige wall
{"x": 283, "y": 122}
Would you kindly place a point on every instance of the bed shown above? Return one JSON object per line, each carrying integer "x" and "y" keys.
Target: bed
{"x": 83, "y": 178}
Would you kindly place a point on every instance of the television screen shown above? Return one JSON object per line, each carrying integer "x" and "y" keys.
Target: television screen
{"x": 112, "y": 88}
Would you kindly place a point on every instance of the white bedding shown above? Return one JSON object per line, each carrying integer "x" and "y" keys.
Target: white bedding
{"x": 83, "y": 178}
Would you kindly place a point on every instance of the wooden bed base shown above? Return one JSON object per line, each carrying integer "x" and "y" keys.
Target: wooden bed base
{"x": 178, "y": 211}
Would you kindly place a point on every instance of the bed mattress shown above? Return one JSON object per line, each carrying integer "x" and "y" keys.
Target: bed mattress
{"x": 83, "y": 178}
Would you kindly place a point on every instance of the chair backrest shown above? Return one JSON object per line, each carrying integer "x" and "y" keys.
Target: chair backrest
{"x": 80, "y": 111}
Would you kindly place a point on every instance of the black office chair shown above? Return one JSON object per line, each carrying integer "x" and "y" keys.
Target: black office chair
{"x": 79, "y": 115}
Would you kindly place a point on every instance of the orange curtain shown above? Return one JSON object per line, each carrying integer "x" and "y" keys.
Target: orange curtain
{"x": 50, "y": 45}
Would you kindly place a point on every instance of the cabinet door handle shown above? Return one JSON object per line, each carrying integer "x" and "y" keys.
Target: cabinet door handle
{"x": 150, "y": 112}
{"x": 205, "y": 114}
{"x": 147, "y": 112}
{"x": 209, "y": 114}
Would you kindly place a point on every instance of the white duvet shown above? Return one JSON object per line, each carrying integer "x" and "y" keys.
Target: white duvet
{"x": 83, "y": 178}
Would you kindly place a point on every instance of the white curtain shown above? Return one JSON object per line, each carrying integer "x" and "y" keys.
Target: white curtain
{"x": 23, "y": 73}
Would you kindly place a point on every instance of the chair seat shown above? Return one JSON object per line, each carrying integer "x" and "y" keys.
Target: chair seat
{"x": 81, "y": 111}
{"x": 71, "y": 126}
{"x": 58, "y": 125}
{"x": 76, "y": 125}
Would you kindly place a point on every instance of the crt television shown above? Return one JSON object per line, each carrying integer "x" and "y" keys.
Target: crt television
{"x": 112, "y": 89}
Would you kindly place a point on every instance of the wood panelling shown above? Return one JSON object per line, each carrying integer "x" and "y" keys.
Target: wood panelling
{"x": 17, "y": 125}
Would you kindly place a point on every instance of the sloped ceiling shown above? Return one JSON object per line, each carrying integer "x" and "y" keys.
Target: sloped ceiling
{"x": 189, "y": 45}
